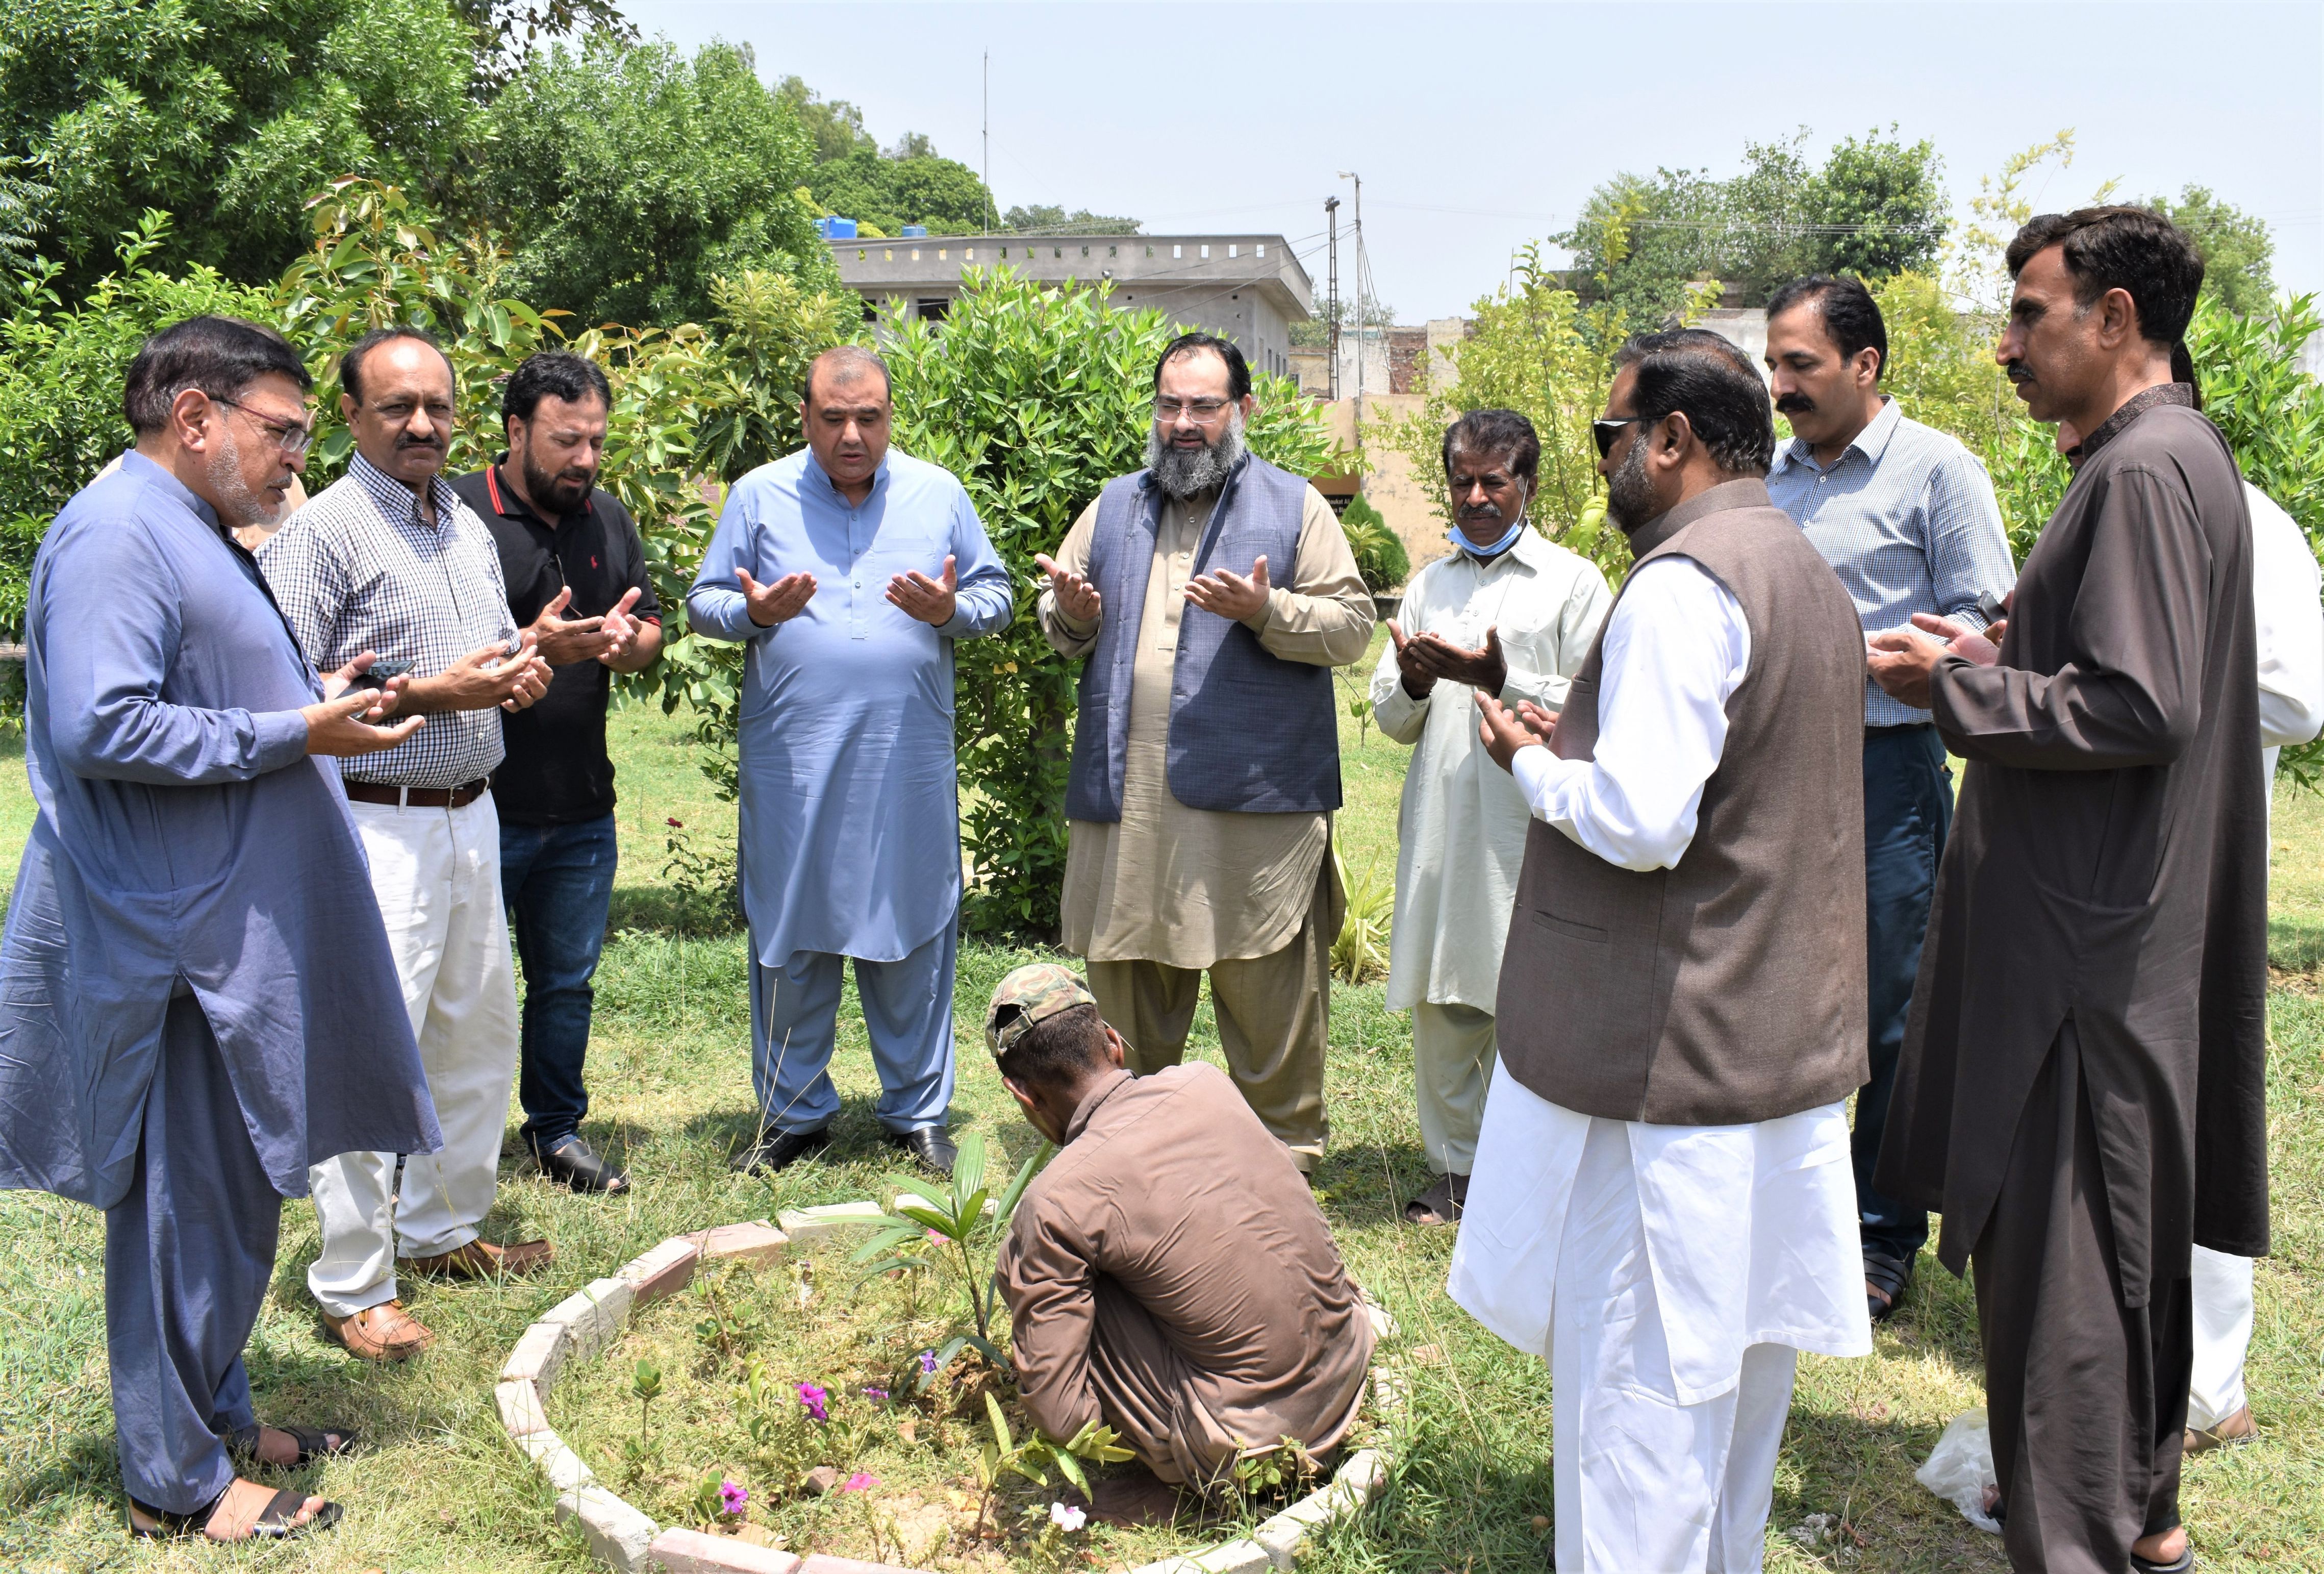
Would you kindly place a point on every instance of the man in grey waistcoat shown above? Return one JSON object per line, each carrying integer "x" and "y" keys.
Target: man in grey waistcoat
{"x": 1211, "y": 593}
{"x": 1663, "y": 1202}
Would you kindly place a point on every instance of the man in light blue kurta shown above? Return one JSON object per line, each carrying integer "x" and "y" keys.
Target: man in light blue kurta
{"x": 850, "y": 570}
{"x": 197, "y": 1001}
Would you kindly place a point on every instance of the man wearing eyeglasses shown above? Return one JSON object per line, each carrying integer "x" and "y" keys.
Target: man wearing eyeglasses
{"x": 388, "y": 559}
{"x": 577, "y": 578}
{"x": 1211, "y": 594}
{"x": 1662, "y": 1202}
{"x": 196, "y": 997}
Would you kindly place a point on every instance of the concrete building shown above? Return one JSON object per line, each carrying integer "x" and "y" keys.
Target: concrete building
{"x": 1247, "y": 288}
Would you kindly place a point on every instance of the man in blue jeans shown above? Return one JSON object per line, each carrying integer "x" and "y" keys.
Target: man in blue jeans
{"x": 1907, "y": 519}
{"x": 578, "y": 578}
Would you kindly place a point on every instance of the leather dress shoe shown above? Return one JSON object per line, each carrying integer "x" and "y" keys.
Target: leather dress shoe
{"x": 577, "y": 1164}
{"x": 483, "y": 1260}
{"x": 930, "y": 1146}
{"x": 779, "y": 1150}
{"x": 385, "y": 1332}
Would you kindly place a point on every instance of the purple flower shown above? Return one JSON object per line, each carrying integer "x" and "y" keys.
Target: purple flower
{"x": 732, "y": 1496}
{"x": 875, "y": 1394}
{"x": 928, "y": 1362}
{"x": 813, "y": 1398}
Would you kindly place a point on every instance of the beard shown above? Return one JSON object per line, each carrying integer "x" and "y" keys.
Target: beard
{"x": 239, "y": 502}
{"x": 1629, "y": 496}
{"x": 559, "y": 492}
{"x": 1185, "y": 473}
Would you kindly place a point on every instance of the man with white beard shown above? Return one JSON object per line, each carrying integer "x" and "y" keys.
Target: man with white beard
{"x": 1213, "y": 593}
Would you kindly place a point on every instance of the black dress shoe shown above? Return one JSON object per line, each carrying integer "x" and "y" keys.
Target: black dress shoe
{"x": 778, "y": 1150}
{"x": 574, "y": 1162}
{"x": 930, "y": 1144}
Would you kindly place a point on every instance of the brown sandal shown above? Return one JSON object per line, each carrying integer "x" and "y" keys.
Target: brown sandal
{"x": 279, "y": 1521}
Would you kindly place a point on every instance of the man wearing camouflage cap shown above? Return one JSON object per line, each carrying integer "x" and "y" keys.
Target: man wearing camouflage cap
{"x": 1168, "y": 1274}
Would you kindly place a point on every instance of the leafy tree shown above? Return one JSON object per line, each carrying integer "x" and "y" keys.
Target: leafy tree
{"x": 835, "y": 125}
{"x": 226, "y": 116}
{"x": 628, "y": 178}
{"x": 1035, "y": 397}
{"x": 2238, "y": 252}
{"x": 508, "y": 31}
{"x": 1882, "y": 207}
{"x": 912, "y": 144}
{"x": 891, "y": 193}
{"x": 1043, "y": 217}
{"x": 1639, "y": 244}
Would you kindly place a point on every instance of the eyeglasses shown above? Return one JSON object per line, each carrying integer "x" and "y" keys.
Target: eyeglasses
{"x": 1203, "y": 410}
{"x": 1607, "y": 429}
{"x": 292, "y": 437}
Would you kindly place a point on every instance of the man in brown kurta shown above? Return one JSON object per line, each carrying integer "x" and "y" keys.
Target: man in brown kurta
{"x": 1225, "y": 689}
{"x": 2081, "y": 1087}
{"x": 1169, "y": 1274}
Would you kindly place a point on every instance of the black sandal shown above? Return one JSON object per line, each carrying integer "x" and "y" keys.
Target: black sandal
{"x": 2181, "y": 1565}
{"x": 1884, "y": 1276}
{"x": 277, "y": 1521}
{"x": 313, "y": 1444}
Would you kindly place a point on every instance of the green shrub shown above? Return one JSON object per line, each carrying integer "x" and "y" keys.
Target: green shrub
{"x": 1380, "y": 556}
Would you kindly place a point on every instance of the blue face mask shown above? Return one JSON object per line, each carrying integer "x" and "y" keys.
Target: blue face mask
{"x": 1487, "y": 554}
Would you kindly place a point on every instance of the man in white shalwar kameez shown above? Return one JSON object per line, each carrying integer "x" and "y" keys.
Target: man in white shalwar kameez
{"x": 1662, "y": 1203}
{"x": 1509, "y": 614}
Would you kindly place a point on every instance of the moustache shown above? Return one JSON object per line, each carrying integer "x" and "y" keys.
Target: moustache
{"x": 1481, "y": 511}
{"x": 2017, "y": 372}
{"x": 1795, "y": 404}
{"x": 419, "y": 442}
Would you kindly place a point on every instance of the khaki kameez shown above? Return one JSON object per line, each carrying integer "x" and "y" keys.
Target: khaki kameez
{"x": 1168, "y": 892}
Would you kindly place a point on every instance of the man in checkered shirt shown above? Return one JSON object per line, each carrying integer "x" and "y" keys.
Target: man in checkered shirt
{"x": 390, "y": 559}
{"x": 1906, "y": 517}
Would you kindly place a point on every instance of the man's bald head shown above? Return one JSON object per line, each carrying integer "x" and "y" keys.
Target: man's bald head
{"x": 844, "y": 366}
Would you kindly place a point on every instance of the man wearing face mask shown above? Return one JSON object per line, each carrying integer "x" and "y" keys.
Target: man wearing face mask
{"x": 1511, "y": 614}
{"x": 1906, "y": 517}
{"x": 1662, "y": 1202}
{"x": 577, "y": 578}
{"x": 1211, "y": 594}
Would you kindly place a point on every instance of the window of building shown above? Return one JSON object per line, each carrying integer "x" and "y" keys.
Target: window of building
{"x": 862, "y": 254}
{"x": 887, "y": 255}
{"x": 1206, "y": 254}
{"x": 943, "y": 253}
{"x": 1231, "y": 251}
{"x": 870, "y": 312}
{"x": 1085, "y": 251}
{"x": 1259, "y": 250}
{"x": 931, "y": 308}
{"x": 1178, "y": 251}
{"x": 916, "y": 254}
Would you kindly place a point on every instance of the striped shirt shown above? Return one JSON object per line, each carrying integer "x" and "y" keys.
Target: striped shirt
{"x": 358, "y": 568}
{"x": 1906, "y": 517}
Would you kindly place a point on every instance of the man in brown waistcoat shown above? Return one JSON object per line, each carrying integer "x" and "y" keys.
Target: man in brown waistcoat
{"x": 2081, "y": 1093}
{"x": 1663, "y": 1202}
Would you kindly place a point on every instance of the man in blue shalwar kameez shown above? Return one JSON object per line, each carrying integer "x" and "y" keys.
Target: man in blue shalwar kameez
{"x": 850, "y": 570}
{"x": 196, "y": 1000}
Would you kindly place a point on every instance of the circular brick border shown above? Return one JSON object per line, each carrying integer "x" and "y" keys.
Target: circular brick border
{"x": 627, "y": 1540}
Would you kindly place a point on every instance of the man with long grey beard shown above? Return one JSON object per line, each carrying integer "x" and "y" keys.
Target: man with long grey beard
{"x": 1206, "y": 763}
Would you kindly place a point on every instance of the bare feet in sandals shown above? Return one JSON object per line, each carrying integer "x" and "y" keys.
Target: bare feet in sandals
{"x": 1441, "y": 1204}
{"x": 288, "y": 1448}
{"x": 244, "y": 1511}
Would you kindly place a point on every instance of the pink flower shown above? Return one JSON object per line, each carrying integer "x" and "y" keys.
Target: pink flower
{"x": 675, "y": 824}
{"x": 732, "y": 1496}
{"x": 813, "y": 1398}
{"x": 875, "y": 1394}
{"x": 859, "y": 1482}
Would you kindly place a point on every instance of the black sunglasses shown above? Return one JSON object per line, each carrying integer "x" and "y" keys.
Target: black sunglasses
{"x": 1610, "y": 428}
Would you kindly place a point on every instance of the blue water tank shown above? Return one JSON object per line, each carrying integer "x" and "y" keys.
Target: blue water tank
{"x": 914, "y": 232}
{"x": 836, "y": 229}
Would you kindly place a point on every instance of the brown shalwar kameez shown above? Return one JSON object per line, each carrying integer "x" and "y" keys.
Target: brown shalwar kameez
{"x": 1169, "y": 1275}
{"x": 2081, "y": 1090}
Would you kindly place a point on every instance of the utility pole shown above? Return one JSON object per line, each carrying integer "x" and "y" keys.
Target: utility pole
{"x": 988, "y": 142}
{"x": 1363, "y": 328}
{"x": 1331, "y": 320}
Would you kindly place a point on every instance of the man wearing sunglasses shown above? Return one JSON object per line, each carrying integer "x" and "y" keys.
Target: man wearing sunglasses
{"x": 1212, "y": 594}
{"x": 1662, "y": 1202}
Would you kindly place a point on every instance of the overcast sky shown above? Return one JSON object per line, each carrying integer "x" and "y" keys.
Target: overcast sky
{"x": 1479, "y": 128}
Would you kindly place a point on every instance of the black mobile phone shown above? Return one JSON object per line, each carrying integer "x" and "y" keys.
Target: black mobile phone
{"x": 376, "y": 675}
{"x": 1989, "y": 607}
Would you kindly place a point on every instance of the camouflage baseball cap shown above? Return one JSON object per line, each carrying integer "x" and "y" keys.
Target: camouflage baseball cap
{"x": 1029, "y": 994}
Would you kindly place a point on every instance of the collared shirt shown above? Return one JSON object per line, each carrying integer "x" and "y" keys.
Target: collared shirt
{"x": 1461, "y": 832}
{"x": 1169, "y": 1193}
{"x": 1677, "y": 646}
{"x": 849, "y": 832}
{"x": 1907, "y": 518}
{"x": 184, "y": 840}
{"x": 557, "y": 772}
{"x": 2286, "y": 584}
{"x": 358, "y": 568}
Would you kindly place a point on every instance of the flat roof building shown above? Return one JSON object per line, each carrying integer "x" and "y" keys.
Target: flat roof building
{"x": 1247, "y": 288}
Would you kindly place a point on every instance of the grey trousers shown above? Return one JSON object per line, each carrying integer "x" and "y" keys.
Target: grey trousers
{"x": 189, "y": 1253}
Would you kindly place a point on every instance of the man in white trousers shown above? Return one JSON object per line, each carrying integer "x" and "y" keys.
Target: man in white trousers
{"x": 388, "y": 559}
{"x": 2288, "y": 600}
{"x": 1510, "y": 614}
{"x": 1663, "y": 1202}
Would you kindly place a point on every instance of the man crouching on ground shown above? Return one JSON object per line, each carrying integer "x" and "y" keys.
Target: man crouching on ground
{"x": 1168, "y": 1274}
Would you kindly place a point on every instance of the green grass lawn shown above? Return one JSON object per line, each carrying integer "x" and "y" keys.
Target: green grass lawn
{"x": 439, "y": 1486}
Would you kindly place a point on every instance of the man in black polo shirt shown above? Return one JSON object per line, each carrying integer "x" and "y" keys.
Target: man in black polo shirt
{"x": 577, "y": 577}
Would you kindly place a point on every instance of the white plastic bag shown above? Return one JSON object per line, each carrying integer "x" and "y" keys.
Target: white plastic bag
{"x": 1960, "y": 1469}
